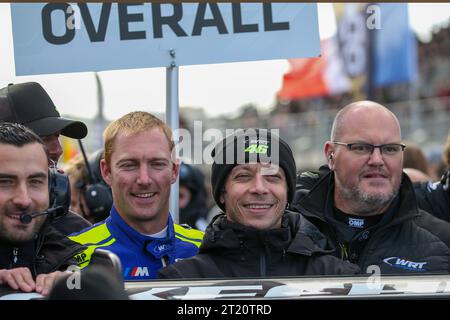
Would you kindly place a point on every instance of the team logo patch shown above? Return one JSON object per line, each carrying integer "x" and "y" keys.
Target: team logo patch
{"x": 356, "y": 223}
{"x": 159, "y": 249}
{"x": 136, "y": 272}
{"x": 404, "y": 264}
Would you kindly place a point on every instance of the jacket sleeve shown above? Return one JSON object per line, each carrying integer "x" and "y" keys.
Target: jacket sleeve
{"x": 347, "y": 268}
{"x": 437, "y": 227}
{"x": 305, "y": 181}
{"x": 70, "y": 223}
{"x": 330, "y": 265}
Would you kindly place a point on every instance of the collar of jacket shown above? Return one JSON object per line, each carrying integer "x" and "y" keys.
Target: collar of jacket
{"x": 308, "y": 240}
{"x": 125, "y": 234}
{"x": 49, "y": 251}
{"x": 17, "y": 255}
{"x": 317, "y": 201}
{"x": 296, "y": 235}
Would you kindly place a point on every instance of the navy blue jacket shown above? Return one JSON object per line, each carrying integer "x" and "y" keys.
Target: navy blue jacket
{"x": 141, "y": 256}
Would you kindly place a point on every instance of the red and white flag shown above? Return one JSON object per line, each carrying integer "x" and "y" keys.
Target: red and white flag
{"x": 316, "y": 77}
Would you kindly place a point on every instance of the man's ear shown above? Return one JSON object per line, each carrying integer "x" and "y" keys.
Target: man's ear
{"x": 329, "y": 154}
{"x": 174, "y": 171}
{"x": 222, "y": 198}
{"x": 106, "y": 172}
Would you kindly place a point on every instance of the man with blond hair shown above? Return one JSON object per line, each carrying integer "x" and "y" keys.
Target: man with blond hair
{"x": 139, "y": 165}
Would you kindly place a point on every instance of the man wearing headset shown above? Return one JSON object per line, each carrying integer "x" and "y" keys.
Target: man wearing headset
{"x": 90, "y": 195}
{"x": 29, "y": 104}
{"x": 33, "y": 252}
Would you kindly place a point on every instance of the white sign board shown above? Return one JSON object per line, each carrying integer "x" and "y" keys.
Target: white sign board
{"x": 64, "y": 37}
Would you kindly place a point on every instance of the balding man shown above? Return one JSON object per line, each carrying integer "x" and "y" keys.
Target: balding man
{"x": 365, "y": 204}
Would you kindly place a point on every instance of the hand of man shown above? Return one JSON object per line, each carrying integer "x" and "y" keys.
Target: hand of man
{"x": 45, "y": 282}
{"x": 18, "y": 279}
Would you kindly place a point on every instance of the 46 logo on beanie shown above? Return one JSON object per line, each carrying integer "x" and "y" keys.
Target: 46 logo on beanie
{"x": 255, "y": 148}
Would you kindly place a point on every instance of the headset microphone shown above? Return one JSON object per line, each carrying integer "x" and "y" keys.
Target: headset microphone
{"x": 97, "y": 195}
{"x": 88, "y": 167}
{"x": 53, "y": 213}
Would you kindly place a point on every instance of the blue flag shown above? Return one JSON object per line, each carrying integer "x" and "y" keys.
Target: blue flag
{"x": 395, "y": 47}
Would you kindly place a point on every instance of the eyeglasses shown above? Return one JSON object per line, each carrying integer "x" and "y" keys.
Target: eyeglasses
{"x": 389, "y": 149}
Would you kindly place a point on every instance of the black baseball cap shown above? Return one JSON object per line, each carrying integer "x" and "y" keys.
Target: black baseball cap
{"x": 29, "y": 104}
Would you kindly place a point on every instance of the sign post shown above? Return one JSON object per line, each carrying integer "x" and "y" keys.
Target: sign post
{"x": 173, "y": 120}
{"x": 62, "y": 37}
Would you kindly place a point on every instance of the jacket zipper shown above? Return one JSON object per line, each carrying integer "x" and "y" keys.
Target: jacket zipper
{"x": 262, "y": 262}
{"x": 344, "y": 252}
{"x": 165, "y": 261}
{"x": 15, "y": 255}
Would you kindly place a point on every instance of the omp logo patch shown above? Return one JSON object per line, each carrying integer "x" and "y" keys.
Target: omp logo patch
{"x": 80, "y": 258}
{"x": 356, "y": 223}
{"x": 404, "y": 264}
{"x": 136, "y": 272}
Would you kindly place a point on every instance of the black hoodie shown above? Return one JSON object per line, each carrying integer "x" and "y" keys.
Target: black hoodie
{"x": 233, "y": 250}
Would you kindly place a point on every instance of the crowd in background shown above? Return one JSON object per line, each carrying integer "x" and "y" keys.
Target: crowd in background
{"x": 423, "y": 110}
{"x": 124, "y": 189}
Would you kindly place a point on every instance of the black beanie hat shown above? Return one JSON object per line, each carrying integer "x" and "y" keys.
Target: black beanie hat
{"x": 250, "y": 145}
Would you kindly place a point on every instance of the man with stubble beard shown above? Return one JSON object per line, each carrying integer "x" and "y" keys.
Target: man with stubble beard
{"x": 365, "y": 204}
{"x": 253, "y": 181}
{"x": 30, "y": 105}
{"x": 32, "y": 255}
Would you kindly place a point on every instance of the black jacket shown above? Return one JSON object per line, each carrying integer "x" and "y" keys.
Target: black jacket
{"x": 50, "y": 251}
{"x": 406, "y": 239}
{"x": 70, "y": 223}
{"x": 435, "y": 197}
{"x": 233, "y": 250}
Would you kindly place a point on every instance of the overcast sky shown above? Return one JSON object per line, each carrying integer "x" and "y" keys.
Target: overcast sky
{"x": 219, "y": 88}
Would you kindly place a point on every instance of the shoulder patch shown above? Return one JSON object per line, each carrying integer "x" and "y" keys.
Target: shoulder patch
{"x": 93, "y": 235}
{"x": 190, "y": 235}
